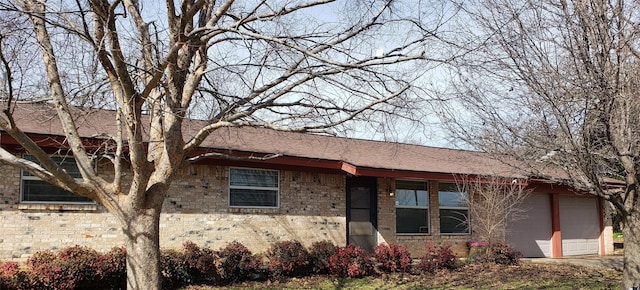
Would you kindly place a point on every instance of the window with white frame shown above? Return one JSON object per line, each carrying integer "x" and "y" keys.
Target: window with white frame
{"x": 454, "y": 209}
{"x": 412, "y": 207}
{"x": 37, "y": 191}
{"x": 253, "y": 187}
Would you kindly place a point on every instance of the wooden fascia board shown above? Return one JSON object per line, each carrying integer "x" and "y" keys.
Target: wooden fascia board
{"x": 404, "y": 174}
{"x": 54, "y": 143}
{"x": 546, "y": 186}
{"x": 424, "y": 175}
{"x": 49, "y": 142}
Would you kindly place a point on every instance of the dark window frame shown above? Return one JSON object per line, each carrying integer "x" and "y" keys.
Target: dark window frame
{"x": 29, "y": 181}
{"x": 461, "y": 207}
{"x": 253, "y": 189}
{"x": 418, "y": 187}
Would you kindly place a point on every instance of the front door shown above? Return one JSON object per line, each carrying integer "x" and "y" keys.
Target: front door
{"x": 362, "y": 218}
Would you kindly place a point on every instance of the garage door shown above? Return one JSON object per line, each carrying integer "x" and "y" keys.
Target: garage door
{"x": 531, "y": 233}
{"x": 579, "y": 225}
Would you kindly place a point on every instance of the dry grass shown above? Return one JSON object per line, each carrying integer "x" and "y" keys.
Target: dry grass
{"x": 524, "y": 276}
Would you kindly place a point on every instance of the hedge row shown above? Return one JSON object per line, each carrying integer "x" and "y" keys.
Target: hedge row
{"x": 84, "y": 268}
{"x": 71, "y": 268}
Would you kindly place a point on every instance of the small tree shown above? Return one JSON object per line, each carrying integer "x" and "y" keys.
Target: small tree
{"x": 493, "y": 203}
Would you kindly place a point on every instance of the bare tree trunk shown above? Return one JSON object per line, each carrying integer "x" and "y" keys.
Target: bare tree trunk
{"x": 173, "y": 76}
{"x": 143, "y": 249}
{"x": 631, "y": 232}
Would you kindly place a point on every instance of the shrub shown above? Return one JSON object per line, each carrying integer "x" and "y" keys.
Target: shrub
{"x": 47, "y": 272}
{"x": 12, "y": 277}
{"x": 41, "y": 258}
{"x": 111, "y": 269}
{"x": 69, "y": 269}
{"x": 7, "y": 271}
{"x": 78, "y": 264}
{"x": 190, "y": 266}
{"x": 78, "y": 268}
{"x": 504, "y": 254}
{"x": 237, "y": 263}
{"x": 319, "y": 254}
{"x": 392, "y": 258}
{"x": 351, "y": 261}
{"x": 201, "y": 263}
{"x": 175, "y": 272}
{"x": 288, "y": 258}
{"x": 499, "y": 253}
{"x": 437, "y": 257}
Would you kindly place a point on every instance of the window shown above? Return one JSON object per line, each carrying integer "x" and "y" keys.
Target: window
{"x": 38, "y": 191}
{"x": 454, "y": 209}
{"x": 412, "y": 207}
{"x": 253, "y": 187}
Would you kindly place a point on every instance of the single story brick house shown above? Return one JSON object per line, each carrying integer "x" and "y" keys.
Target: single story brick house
{"x": 315, "y": 188}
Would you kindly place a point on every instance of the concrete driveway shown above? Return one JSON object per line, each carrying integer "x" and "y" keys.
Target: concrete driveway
{"x": 613, "y": 262}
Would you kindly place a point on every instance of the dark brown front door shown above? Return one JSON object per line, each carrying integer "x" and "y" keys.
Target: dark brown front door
{"x": 362, "y": 218}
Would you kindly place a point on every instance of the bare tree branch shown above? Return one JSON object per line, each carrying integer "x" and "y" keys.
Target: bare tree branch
{"x": 554, "y": 85}
{"x": 174, "y": 76}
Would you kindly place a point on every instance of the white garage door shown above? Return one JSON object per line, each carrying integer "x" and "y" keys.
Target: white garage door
{"x": 531, "y": 234}
{"x": 579, "y": 225}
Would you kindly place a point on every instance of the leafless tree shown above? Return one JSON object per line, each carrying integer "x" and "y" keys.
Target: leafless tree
{"x": 305, "y": 66}
{"x": 493, "y": 203}
{"x": 555, "y": 84}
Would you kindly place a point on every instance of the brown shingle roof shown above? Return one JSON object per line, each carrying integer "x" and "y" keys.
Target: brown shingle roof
{"x": 361, "y": 153}
{"x": 41, "y": 119}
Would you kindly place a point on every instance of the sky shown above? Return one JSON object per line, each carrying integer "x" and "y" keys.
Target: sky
{"x": 428, "y": 132}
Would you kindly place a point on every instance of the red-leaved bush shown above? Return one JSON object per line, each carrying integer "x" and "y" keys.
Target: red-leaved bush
{"x": 69, "y": 269}
{"x": 48, "y": 271}
{"x": 78, "y": 267}
{"x": 288, "y": 258}
{"x": 319, "y": 254}
{"x": 351, "y": 261}
{"x": 201, "y": 262}
{"x": 7, "y": 270}
{"x": 110, "y": 269}
{"x": 12, "y": 277}
{"x": 190, "y": 266}
{"x": 237, "y": 263}
{"x": 436, "y": 258}
{"x": 392, "y": 258}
